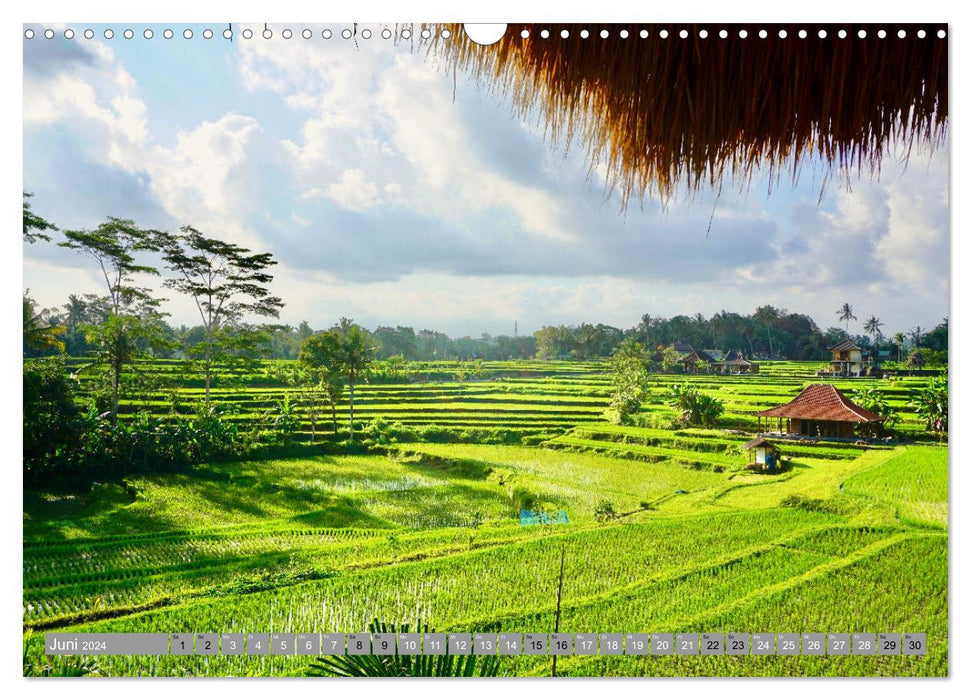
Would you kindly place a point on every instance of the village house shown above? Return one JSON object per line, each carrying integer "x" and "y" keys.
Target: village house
{"x": 819, "y": 411}
{"x": 849, "y": 360}
{"x": 735, "y": 363}
{"x": 697, "y": 362}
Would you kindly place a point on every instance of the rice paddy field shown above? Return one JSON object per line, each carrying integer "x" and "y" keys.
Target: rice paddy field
{"x": 852, "y": 538}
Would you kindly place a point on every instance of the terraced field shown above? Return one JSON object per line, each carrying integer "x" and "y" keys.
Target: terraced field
{"x": 849, "y": 539}
{"x": 526, "y": 396}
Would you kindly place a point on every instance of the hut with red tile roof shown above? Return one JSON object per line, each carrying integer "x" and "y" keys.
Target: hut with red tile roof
{"x": 820, "y": 410}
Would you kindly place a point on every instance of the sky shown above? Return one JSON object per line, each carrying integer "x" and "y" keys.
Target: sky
{"x": 394, "y": 193}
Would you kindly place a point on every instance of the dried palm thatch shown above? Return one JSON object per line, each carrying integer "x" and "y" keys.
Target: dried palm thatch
{"x": 664, "y": 113}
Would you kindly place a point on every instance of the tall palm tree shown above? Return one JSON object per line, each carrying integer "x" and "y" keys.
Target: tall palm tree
{"x": 76, "y": 310}
{"x": 872, "y": 327}
{"x": 846, "y": 314}
{"x": 356, "y": 350}
{"x": 898, "y": 339}
{"x": 40, "y": 334}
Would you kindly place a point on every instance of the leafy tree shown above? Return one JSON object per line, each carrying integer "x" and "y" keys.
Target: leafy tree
{"x": 916, "y": 359}
{"x": 76, "y": 310}
{"x": 51, "y": 417}
{"x": 34, "y": 225}
{"x": 554, "y": 342}
{"x": 227, "y": 282}
{"x": 308, "y": 386}
{"x": 432, "y": 345}
{"x": 629, "y": 375}
{"x": 846, "y": 314}
{"x": 76, "y": 314}
{"x": 114, "y": 246}
{"x": 41, "y": 334}
{"x": 937, "y": 339}
{"x": 304, "y": 331}
{"x": 396, "y": 341}
{"x": 357, "y": 350}
{"x": 930, "y": 403}
{"x": 119, "y": 341}
{"x": 872, "y": 399}
{"x": 321, "y": 354}
{"x": 670, "y": 358}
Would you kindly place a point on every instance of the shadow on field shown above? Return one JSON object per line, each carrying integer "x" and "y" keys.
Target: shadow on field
{"x": 104, "y": 511}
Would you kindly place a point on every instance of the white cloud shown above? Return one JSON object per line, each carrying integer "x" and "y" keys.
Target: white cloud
{"x": 459, "y": 214}
{"x": 354, "y": 191}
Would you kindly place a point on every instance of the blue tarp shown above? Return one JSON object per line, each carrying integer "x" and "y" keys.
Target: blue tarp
{"x": 528, "y": 517}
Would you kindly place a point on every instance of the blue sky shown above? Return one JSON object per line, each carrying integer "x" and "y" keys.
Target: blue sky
{"x": 393, "y": 195}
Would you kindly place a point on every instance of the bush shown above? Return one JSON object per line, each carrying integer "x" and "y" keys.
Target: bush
{"x": 61, "y": 441}
{"x": 522, "y": 498}
{"x": 873, "y": 400}
{"x": 930, "y": 403}
{"x": 53, "y": 424}
{"x": 604, "y": 512}
{"x": 381, "y": 431}
{"x": 695, "y": 407}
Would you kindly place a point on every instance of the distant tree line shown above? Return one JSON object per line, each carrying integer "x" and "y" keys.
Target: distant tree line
{"x": 767, "y": 333}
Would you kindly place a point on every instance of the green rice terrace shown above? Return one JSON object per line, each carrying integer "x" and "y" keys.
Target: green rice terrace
{"x": 667, "y": 530}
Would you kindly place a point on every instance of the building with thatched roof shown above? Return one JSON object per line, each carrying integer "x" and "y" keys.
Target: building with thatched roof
{"x": 819, "y": 411}
{"x": 682, "y": 347}
{"x": 697, "y": 361}
{"x": 735, "y": 363}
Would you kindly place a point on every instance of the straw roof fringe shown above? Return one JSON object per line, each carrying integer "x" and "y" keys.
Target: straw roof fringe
{"x": 661, "y": 114}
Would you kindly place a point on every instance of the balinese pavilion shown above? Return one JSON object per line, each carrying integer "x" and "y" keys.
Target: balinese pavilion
{"x": 819, "y": 411}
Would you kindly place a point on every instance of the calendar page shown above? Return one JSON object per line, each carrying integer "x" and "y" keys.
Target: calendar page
{"x": 485, "y": 350}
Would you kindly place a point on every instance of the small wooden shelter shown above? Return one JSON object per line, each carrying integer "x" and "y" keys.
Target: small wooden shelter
{"x": 764, "y": 453}
{"x": 819, "y": 411}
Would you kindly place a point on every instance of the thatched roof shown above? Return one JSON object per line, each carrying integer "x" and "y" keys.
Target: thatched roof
{"x": 697, "y": 356}
{"x": 662, "y": 113}
{"x": 735, "y": 358}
